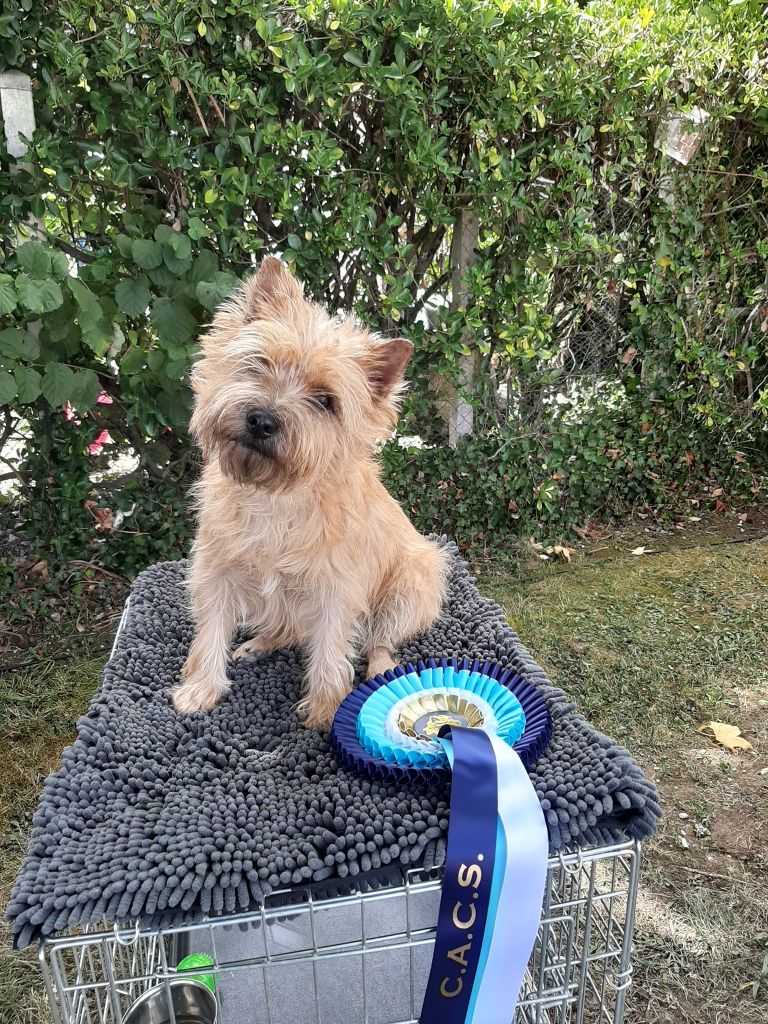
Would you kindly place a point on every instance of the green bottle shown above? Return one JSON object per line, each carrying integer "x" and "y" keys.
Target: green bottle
{"x": 196, "y": 961}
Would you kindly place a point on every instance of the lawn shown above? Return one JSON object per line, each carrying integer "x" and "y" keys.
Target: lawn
{"x": 650, "y": 647}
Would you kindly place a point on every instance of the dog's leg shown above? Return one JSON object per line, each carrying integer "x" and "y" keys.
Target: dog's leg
{"x": 380, "y": 659}
{"x": 205, "y": 672}
{"x": 256, "y": 645}
{"x": 408, "y": 603}
{"x": 329, "y": 671}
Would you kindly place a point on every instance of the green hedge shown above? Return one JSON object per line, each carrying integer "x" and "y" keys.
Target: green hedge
{"x": 179, "y": 142}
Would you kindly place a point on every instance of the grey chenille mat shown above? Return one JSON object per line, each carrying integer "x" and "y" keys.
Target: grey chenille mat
{"x": 164, "y": 817}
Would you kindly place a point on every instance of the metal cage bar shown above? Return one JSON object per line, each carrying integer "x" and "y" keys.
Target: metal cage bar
{"x": 361, "y": 958}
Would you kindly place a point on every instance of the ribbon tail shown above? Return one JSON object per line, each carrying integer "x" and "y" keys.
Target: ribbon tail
{"x": 522, "y": 851}
{"x": 467, "y": 883}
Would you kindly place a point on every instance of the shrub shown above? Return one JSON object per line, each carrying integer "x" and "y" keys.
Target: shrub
{"x": 616, "y": 308}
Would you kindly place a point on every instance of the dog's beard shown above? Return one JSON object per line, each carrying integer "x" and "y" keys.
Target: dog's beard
{"x": 301, "y": 454}
{"x": 261, "y": 466}
{"x": 275, "y": 466}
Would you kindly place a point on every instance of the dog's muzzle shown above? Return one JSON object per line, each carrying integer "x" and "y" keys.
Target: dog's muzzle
{"x": 262, "y": 430}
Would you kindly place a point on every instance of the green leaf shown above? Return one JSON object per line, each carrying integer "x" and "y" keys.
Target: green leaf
{"x": 205, "y": 267}
{"x": 212, "y": 293}
{"x": 7, "y": 295}
{"x": 34, "y": 259}
{"x": 88, "y": 304}
{"x": 8, "y": 389}
{"x": 181, "y": 245}
{"x": 174, "y": 407}
{"x": 133, "y": 361}
{"x": 177, "y": 253}
{"x": 19, "y": 344}
{"x": 147, "y": 254}
{"x": 57, "y": 384}
{"x": 173, "y": 321}
{"x": 101, "y": 270}
{"x": 132, "y": 295}
{"x": 97, "y": 336}
{"x": 59, "y": 265}
{"x": 211, "y": 195}
{"x": 164, "y": 281}
{"x": 352, "y": 58}
{"x": 294, "y": 241}
{"x": 124, "y": 245}
{"x": 28, "y": 383}
{"x": 38, "y": 296}
{"x": 96, "y": 332}
{"x": 155, "y": 359}
{"x": 196, "y": 229}
{"x": 85, "y": 389}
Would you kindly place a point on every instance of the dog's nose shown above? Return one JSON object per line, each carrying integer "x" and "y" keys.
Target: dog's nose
{"x": 261, "y": 424}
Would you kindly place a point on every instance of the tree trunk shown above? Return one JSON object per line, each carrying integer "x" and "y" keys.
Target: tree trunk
{"x": 463, "y": 245}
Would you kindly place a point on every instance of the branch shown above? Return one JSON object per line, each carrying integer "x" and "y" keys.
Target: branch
{"x": 427, "y": 295}
{"x": 9, "y": 427}
{"x": 218, "y": 110}
{"x": 71, "y": 250}
{"x": 198, "y": 111}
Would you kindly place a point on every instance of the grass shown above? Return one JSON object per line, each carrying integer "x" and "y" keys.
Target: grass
{"x": 649, "y": 647}
{"x": 38, "y": 712}
{"x": 646, "y": 645}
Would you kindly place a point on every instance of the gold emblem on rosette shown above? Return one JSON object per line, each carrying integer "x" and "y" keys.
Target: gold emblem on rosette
{"x": 423, "y": 717}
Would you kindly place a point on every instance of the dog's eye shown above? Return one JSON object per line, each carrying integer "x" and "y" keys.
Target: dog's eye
{"x": 325, "y": 401}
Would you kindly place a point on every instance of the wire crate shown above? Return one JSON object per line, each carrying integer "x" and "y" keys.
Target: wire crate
{"x": 360, "y": 958}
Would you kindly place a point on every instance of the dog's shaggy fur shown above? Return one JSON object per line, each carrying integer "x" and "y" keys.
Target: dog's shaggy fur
{"x": 298, "y": 539}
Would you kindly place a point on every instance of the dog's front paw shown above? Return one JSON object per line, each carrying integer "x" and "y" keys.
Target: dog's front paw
{"x": 198, "y": 693}
{"x": 315, "y": 715}
{"x": 250, "y": 648}
{"x": 379, "y": 662}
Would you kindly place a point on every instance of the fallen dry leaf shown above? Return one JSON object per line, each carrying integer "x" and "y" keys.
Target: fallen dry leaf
{"x": 564, "y": 552}
{"x": 728, "y": 736}
{"x": 35, "y": 567}
{"x": 104, "y": 519}
{"x": 641, "y": 551}
{"x": 628, "y": 356}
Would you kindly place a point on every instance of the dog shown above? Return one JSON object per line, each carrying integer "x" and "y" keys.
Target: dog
{"x": 298, "y": 541}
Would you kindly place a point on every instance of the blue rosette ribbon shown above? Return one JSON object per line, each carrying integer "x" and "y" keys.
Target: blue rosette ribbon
{"x": 482, "y": 726}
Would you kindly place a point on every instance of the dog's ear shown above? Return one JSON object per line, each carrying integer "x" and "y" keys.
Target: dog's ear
{"x": 385, "y": 363}
{"x": 271, "y": 289}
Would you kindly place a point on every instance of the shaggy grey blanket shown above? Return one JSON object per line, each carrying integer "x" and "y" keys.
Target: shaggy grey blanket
{"x": 164, "y": 817}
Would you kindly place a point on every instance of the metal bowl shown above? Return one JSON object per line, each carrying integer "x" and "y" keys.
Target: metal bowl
{"x": 193, "y": 1003}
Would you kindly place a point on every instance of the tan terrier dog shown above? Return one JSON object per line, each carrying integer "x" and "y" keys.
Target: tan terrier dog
{"x": 297, "y": 538}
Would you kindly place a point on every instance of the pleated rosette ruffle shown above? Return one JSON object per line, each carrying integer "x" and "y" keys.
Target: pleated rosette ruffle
{"x": 389, "y": 726}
